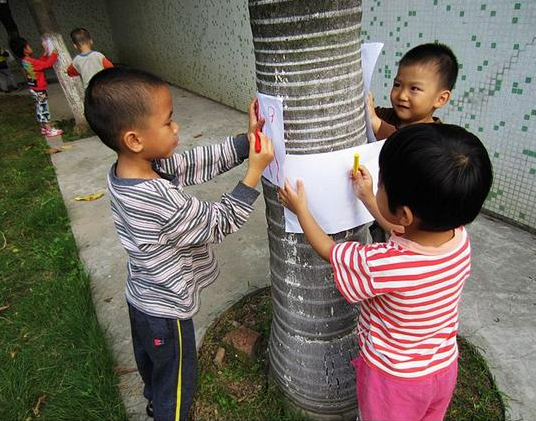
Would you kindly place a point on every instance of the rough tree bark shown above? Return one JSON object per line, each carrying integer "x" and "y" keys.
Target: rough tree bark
{"x": 309, "y": 53}
{"x": 72, "y": 87}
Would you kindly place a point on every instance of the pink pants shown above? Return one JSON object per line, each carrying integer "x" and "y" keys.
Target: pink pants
{"x": 383, "y": 398}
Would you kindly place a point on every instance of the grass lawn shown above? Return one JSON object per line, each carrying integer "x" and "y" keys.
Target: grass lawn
{"x": 240, "y": 389}
{"x": 54, "y": 361}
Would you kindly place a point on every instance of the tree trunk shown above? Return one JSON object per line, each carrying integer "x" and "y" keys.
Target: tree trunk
{"x": 72, "y": 87}
{"x": 309, "y": 53}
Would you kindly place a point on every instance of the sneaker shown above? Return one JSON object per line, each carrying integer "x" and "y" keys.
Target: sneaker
{"x": 149, "y": 409}
{"x": 53, "y": 132}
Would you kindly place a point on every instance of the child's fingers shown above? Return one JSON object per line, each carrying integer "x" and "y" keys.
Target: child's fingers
{"x": 364, "y": 172}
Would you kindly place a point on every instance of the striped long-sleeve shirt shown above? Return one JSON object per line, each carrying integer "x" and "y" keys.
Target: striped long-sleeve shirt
{"x": 166, "y": 232}
{"x": 409, "y": 298}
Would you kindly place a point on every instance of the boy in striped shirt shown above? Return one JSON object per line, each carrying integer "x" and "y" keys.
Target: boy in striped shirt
{"x": 165, "y": 231}
{"x": 433, "y": 180}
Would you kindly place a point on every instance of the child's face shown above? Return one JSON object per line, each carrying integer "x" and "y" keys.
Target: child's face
{"x": 160, "y": 133}
{"x": 417, "y": 93}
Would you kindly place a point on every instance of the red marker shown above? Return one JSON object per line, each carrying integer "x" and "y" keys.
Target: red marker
{"x": 257, "y": 130}
{"x": 257, "y": 141}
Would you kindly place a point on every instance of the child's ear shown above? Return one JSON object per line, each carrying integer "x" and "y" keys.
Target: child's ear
{"x": 405, "y": 216}
{"x": 442, "y": 99}
{"x": 132, "y": 141}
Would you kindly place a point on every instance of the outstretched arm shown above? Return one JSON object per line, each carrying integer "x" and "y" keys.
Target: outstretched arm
{"x": 362, "y": 186}
{"x": 296, "y": 201}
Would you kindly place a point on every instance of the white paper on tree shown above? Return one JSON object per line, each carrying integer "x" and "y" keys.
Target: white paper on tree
{"x": 369, "y": 56}
{"x": 271, "y": 108}
{"x": 328, "y": 186}
{"x": 48, "y": 45}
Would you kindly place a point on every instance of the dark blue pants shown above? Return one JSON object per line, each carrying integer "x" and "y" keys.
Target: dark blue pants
{"x": 166, "y": 357}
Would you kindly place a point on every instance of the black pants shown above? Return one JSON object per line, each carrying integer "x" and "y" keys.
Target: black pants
{"x": 166, "y": 357}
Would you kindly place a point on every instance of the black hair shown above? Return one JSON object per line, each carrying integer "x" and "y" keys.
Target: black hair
{"x": 80, "y": 36}
{"x": 441, "y": 172}
{"x": 119, "y": 99}
{"x": 17, "y": 45}
{"x": 437, "y": 54}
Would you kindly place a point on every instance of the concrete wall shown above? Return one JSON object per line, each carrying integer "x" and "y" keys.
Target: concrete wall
{"x": 70, "y": 14}
{"x": 203, "y": 46}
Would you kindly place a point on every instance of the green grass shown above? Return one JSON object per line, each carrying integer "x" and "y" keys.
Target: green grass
{"x": 241, "y": 389}
{"x": 68, "y": 130}
{"x": 51, "y": 346}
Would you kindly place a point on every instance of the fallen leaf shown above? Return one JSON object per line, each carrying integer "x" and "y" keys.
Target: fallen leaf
{"x": 14, "y": 353}
{"x": 40, "y": 400}
{"x": 28, "y": 147}
{"x": 89, "y": 197}
{"x": 108, "y": 300}
{"x": 67, "y": 146}
{"x": 5, "y": 307}
{"x": 198, "y": 135}
{"x": 52, "y": 151}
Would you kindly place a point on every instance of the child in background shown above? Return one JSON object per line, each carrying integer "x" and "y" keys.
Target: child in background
{"x": 166, "y": 231}
{"x": 88, "y": 62}
{"x": 433, "y": 180}
{"x": 34, "y": 68}
{"x": 424, "y": 81}
{"x": 6, "y": 77}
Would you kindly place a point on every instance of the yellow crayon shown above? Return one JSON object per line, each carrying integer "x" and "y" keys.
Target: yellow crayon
{"x": 356, "y": 163}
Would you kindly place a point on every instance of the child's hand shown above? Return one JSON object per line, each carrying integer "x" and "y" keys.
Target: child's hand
{"x": 375, "y": 121}
{"x": 295, "y": 201}
{"x": 254, "y": 122}
{"x": 362, "y": 185}
{"x": 258, "y": 161}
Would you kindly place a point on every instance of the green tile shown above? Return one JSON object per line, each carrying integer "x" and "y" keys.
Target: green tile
{"x": 478, "y": 44}
{"x": 493, "y": 44}
{"x": 527, "y": 117}
{"x": 521, "y": 215}
{"x": 496, "y": 155}
{"x": 501, "y": 207}
{"x": 435, "y": 2}
{"x": 532, "y": 171}
{"x": 495, "y": 127}
{"x": 520, "y": 91}
{"x": 533, "y": 112}
{"x": 420, "y": 34}
{"x": 485, "y": 63}
{"x": 473, "y": 38}
{"x": 464, "y": 77}
{"x": 482, "y": 7}
{"x": 524, "y": 128}
{"x": 462, "y": 13}
{"x": 479, "y": 68}
{"x": 502, "y": 123}
{"x": 528, "y": 79}
{"x": 493, "y": 13}
{"x": 516, "y": 46}
{"x": 448, "y": 8}
{"x": 481, "y": 129}
{"x": 514, "y": 20}
{"x": 517, "y": 6}
{"x": 515, "y": 84}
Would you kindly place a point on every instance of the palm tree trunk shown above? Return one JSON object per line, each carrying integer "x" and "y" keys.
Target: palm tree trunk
{"x": 72, "y": 87}
{"x": 309, "y": 53}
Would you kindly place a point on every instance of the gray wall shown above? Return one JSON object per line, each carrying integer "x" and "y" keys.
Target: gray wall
{"x": 203, "y": 46}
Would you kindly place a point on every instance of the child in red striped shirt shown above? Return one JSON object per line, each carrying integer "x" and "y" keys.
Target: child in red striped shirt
{"x": 433, "y": 180}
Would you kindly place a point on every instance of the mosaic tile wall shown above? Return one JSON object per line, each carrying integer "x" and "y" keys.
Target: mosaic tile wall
{"x": 495, "y": 96}
{"x": 69, "y": 14}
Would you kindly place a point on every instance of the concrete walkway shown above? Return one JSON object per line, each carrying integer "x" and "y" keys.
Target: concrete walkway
{"x": 499, "y": 300}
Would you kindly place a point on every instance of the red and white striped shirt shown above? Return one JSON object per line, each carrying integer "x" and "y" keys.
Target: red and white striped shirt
{"x": 410, "y": 294}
